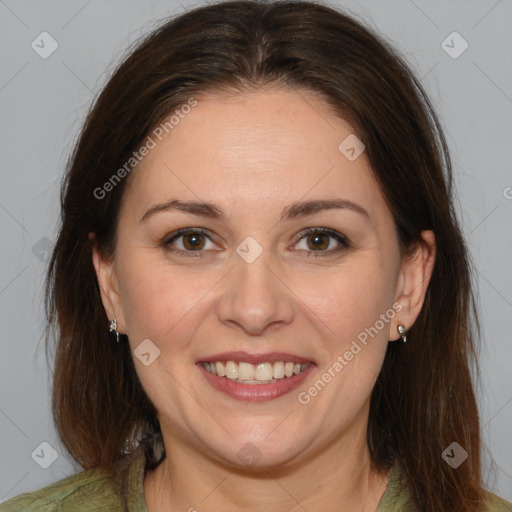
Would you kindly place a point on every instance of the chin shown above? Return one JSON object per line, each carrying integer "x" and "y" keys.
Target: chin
{"x": 252, "y": 454}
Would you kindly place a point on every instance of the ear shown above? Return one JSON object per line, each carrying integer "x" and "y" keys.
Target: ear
{"x": 109, "y": 286}
{"x": 416, "y": 271}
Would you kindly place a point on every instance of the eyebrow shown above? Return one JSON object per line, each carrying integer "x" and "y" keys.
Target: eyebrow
{"x": 292, "y": 211}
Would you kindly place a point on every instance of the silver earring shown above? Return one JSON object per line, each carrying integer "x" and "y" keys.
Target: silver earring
{"x": 113, "y": 328}
{"x": 402, "y": 331}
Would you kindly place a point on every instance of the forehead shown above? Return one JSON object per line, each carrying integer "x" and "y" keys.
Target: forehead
{"x": 254, "y": 150}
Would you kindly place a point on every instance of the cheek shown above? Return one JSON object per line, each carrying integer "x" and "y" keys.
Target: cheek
{"x": 353, "y": 311}
{"x": 348, "y": 301}
{"x": 161, "y": 302}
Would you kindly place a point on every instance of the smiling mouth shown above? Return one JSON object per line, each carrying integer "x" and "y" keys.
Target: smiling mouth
{"x": 262, "y": 373}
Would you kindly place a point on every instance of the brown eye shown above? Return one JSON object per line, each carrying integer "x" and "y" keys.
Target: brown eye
{"x": 192, "y": 241}
{"x": 318, "y": 241}
{"x": 188, "y": 242}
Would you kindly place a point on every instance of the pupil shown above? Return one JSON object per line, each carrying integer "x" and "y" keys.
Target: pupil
{"x": 193, "y": 240}
{"x": 317, "y": 238}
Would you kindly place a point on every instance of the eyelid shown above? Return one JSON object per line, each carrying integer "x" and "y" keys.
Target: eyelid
{"x": 168, "y": 240}
{"x": 342, "y": 240}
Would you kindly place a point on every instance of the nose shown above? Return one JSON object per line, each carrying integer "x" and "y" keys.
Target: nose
{"x": 255, "y": 297}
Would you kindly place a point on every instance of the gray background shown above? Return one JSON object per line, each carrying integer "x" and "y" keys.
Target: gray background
{"x": 43, "y": 102}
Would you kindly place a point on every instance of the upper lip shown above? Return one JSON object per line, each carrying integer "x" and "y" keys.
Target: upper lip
{"x": 247, "y": 357}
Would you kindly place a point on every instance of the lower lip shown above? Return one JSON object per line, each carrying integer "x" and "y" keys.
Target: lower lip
{"x": 256, "y": 392}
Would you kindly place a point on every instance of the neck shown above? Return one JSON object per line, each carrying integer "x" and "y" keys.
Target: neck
{"x": 339, "y": 478}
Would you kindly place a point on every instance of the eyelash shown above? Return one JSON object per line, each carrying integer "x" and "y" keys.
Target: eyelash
{"x": 341, "y": 239}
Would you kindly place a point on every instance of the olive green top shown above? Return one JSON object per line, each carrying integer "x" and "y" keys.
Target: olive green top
{"x": 90, "y": 491}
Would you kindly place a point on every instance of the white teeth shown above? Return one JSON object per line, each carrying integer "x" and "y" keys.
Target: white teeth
{"x": 231, "y": 370}
{"x": 262, "y": 373}
{"x": 220, "y": 369}
{"x": 245, "y": 371}
{"x": 278, "y": 370}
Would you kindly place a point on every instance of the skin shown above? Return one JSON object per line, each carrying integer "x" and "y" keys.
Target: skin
{"x": 253, "y": 154}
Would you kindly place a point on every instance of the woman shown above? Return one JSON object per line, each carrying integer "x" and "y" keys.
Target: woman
{"x": 262, "y": 294}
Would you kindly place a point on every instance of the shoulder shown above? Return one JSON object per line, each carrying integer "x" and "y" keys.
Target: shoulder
{"x": 494, "y": 503}
{"x": 88, "y": 490}
{"x": 397, "y": 496}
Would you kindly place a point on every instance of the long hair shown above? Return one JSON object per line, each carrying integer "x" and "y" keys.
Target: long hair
{"x": 423, "y": 399}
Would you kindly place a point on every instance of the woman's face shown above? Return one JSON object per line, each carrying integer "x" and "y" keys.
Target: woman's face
{"x": 245, "y": 283}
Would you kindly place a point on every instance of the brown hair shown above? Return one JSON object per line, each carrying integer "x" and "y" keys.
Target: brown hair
{"x": 423, "y": 399}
